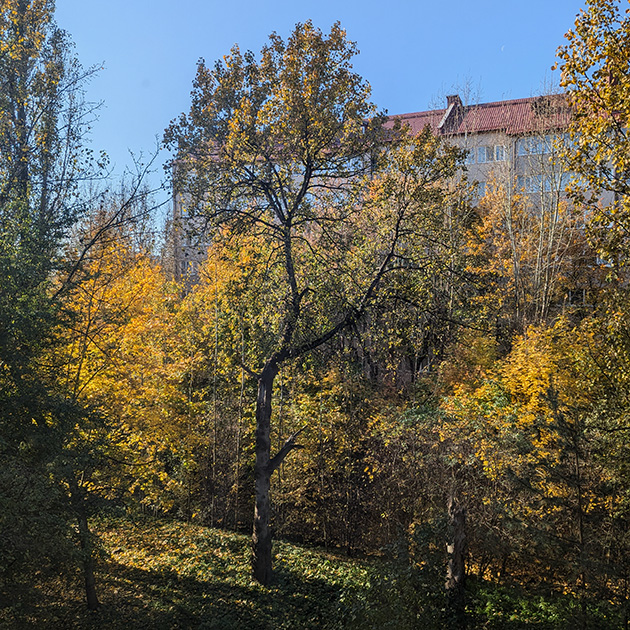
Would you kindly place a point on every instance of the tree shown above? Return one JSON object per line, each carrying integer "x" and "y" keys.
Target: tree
{"x": 595, "y": 73}
{"x": 42, "y": 123}
{"x": 288, "y": 151}
{"x": 541, "y": 431}
{"x": 528, "y": 260}
{"x": 119, "y": 360}
{"x": 44, "y": 166}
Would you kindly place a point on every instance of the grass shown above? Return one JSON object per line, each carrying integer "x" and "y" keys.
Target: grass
{"x": 156, "y": 574}
{"x": 169, "y": 575}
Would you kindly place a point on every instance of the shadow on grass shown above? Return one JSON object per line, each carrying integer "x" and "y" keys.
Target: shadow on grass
{"x": 134, "y": 598}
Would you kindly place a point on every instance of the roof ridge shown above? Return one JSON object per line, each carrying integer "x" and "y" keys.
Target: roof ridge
{"x": 513, "y": 101}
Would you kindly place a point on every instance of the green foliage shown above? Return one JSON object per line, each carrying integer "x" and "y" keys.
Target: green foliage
{"x": 405, "y": 590}
{"x": 511, "y": 607}
{"x": 33, "y": 522}
{"x": 166, "y": 575}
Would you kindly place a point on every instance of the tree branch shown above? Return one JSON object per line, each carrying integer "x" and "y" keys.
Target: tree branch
{"x": 287, "y": 447}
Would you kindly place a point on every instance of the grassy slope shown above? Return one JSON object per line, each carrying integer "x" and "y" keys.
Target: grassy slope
{"x": 157, "y": 574}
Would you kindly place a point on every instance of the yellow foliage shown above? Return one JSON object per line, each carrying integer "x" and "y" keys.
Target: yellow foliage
{"x": 123, "y": 358}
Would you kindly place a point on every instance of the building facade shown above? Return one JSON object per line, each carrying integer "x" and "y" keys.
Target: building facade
{"x": 513, "y": 143}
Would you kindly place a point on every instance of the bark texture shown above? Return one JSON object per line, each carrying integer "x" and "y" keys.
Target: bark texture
{"x": 78, "y": 499}
{"x": 456, "y": 571}
{"x": 262, "y": 535}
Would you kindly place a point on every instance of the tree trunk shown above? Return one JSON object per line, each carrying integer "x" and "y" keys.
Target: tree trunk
{"x": 88, "y": 561}
{"x": 261, "y": 538}
{"x": 77, "y": 497}
{"x": 456, "y": 572}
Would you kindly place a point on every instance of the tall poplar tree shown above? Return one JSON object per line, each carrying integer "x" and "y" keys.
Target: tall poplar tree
{"x": 43, "y": 120}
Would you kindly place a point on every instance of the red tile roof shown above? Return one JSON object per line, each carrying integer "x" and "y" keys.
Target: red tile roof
{"x": 515, "y": 117}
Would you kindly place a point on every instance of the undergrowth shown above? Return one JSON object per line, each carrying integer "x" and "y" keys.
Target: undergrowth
{"x": 171, "y": 575}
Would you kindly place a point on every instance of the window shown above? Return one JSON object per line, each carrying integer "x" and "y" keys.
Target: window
{"x": 526, "y": 183}
{"x": 491, "y": 153}
{"x": 525, "y": 146}
{"x": 485, "y": 154}
{"x": 470, "y": 157}
{"x": 534, "y": 183}
{"x": 479, "y": 192}
{"x": 556, "y": 182}
{"x": 535, "y": 145}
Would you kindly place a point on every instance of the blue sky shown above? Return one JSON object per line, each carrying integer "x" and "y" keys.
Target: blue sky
{"x": 412, "y": 52}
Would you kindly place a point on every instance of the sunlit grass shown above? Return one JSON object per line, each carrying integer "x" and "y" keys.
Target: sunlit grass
{"x": 161, "y": 574}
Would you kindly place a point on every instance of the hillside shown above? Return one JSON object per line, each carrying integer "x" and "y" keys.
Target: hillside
{"x": 157, "y": 574}
{"x": 166, "y": 575}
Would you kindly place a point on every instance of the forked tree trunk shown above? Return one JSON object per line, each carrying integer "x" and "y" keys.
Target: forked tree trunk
{"x": 261, "y": 537}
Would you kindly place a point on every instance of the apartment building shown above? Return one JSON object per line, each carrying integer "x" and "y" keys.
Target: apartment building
{"x": 516, "y": 143}
{"x": 189, "y": 241}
